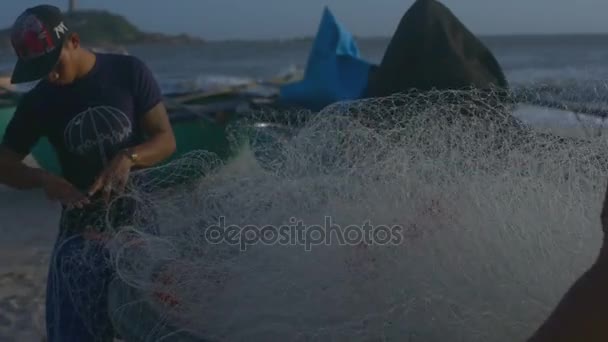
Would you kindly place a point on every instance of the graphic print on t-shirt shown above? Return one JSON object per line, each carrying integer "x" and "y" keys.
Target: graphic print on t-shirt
{"x": 97, "y": 131}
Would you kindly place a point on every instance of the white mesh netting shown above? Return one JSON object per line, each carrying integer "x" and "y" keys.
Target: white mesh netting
{"x": 462, "y": 226}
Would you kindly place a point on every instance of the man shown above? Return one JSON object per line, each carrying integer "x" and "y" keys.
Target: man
{"x": 582, "y": 313}
{"x": 103, "y": 115}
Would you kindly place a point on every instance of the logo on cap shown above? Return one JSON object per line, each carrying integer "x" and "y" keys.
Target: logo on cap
{"x": 61, "y": 28}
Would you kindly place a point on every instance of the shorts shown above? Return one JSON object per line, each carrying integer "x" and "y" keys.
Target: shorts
{"x": 77, "y": 286}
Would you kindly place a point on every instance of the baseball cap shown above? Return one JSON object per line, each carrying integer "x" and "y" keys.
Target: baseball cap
{"x": 37, "y": 37}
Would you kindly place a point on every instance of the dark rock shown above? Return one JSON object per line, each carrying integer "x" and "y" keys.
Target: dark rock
{"x": 431, "y": 48}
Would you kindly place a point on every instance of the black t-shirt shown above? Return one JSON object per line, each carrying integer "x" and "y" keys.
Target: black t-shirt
{"x": 88, "y": 121}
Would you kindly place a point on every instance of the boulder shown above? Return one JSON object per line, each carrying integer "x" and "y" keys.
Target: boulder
{"x": 431, "y": 48}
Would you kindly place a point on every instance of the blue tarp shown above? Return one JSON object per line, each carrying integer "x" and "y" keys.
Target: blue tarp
{"x": 334, "y": 71}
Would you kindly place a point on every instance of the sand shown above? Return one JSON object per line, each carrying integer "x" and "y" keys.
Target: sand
{"x": 29, "y": 225}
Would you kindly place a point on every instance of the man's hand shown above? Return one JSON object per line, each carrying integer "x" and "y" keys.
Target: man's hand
{"x": 113, "y": 178}
{"x": 58, "y": 189}
{"x": 159, "y": 146}
{"x": 18, "y": 175}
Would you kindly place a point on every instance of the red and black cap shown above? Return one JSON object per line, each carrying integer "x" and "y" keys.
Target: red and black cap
{"x": 37, "y": 38}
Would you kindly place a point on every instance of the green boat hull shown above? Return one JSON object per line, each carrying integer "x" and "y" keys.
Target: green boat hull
{"x": 190, "y": 134}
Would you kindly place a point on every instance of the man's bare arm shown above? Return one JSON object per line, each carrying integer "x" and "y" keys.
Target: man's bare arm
{"x": 14, "y": 173}
{"x": 160, "y": 144}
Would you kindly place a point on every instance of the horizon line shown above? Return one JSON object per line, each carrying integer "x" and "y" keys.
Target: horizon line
{"x": 383, "y": 37}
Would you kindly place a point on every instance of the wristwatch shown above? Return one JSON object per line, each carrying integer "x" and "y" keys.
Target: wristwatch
{"x": 131, "y": 155}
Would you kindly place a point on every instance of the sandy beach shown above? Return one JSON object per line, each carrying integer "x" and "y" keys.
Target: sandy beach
{"x": 29, "y": 226}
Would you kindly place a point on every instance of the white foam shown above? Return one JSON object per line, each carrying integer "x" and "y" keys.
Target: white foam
{"x": 562, "y": 122}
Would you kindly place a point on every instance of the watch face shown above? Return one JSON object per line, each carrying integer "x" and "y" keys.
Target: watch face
{"x": 132, "y": 156}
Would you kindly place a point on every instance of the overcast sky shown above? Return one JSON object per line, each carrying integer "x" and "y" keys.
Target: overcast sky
{"x": 263, "y": 19}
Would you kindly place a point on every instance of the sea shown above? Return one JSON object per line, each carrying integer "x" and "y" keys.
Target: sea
{"x": 524, "y": 59}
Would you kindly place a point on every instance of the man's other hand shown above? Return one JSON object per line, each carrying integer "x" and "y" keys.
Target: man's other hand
{"x": 113, "y": 179}
{"x": 59, "y": 189}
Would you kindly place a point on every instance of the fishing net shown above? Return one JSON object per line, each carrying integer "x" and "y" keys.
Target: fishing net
{"x": 422, "y": 216}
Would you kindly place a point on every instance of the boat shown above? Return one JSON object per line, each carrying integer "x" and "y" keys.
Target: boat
{"x": 119, "y": 50}
{"x": 335, "y": 71}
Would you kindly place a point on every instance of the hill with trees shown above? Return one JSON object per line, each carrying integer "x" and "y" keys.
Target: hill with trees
{"x": 105, "y": 29}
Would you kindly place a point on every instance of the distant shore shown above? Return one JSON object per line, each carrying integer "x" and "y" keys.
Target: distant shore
{"x": 296, "y": 39}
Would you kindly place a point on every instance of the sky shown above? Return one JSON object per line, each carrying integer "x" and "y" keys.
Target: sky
{"x": 271, "y": 19}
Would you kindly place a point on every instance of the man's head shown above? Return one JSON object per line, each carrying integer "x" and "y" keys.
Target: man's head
{"x": 45, "y": 47}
